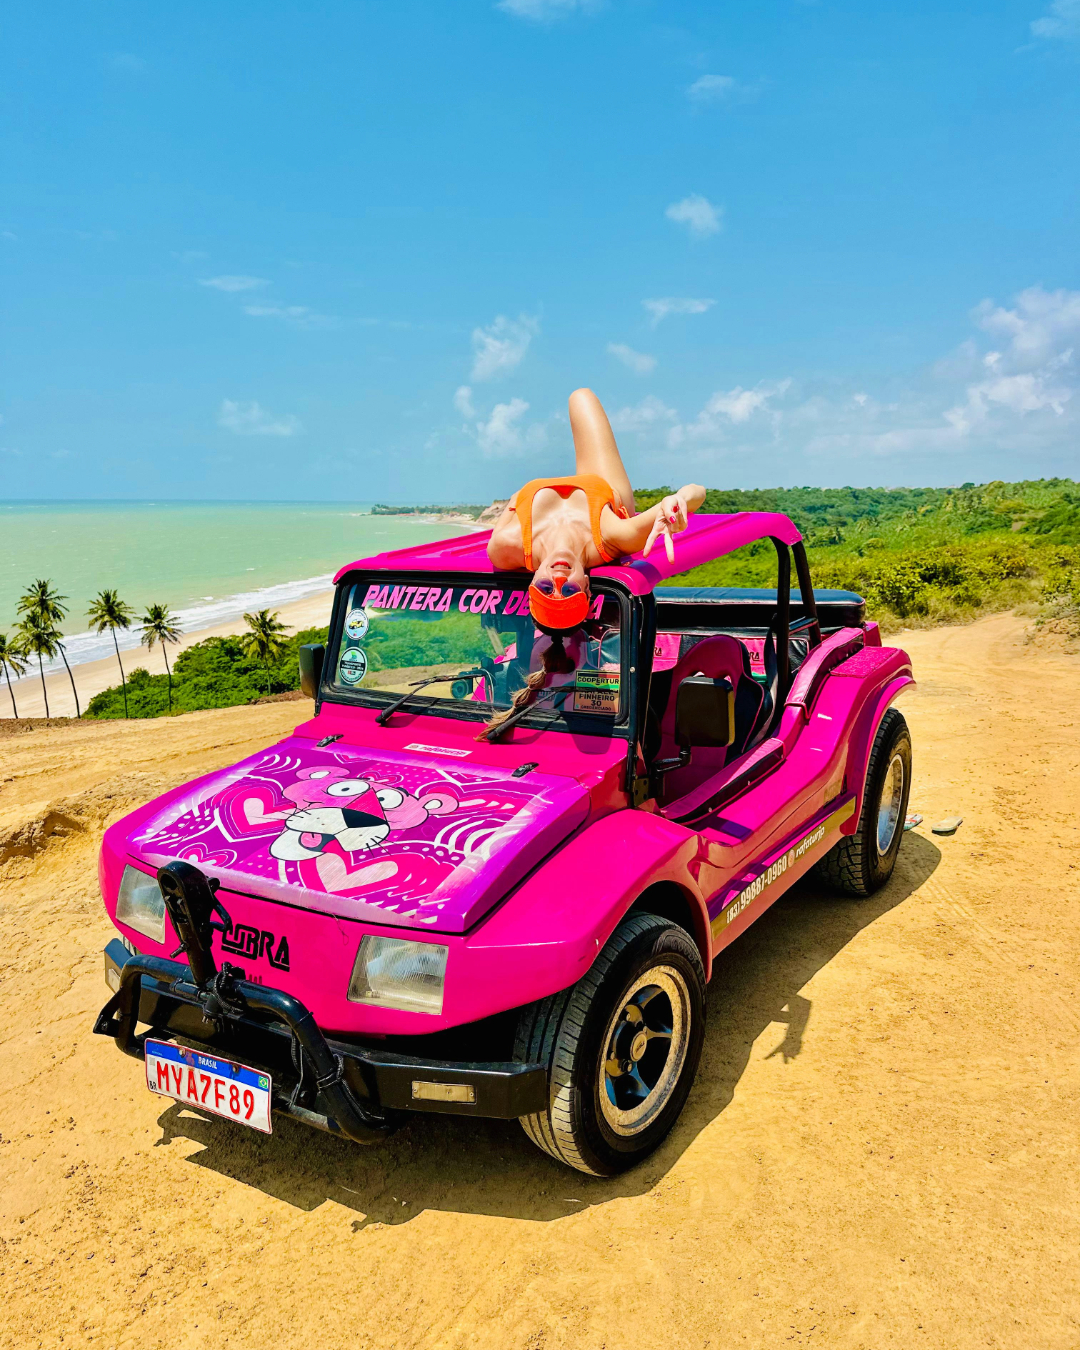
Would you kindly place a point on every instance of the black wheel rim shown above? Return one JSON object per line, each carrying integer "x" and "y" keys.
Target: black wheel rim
{"x": 644, "y": 1049}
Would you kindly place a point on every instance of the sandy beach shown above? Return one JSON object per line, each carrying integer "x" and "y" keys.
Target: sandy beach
{"x": 93, "y": 676}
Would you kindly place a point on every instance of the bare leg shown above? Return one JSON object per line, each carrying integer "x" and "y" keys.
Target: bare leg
{"x": 594, "y": 445}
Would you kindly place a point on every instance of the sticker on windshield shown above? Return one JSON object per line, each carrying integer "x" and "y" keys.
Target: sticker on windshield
{"x": 356, "y": 624}
{"x": 597, "y": 692}
{"x": 353, "y": 666}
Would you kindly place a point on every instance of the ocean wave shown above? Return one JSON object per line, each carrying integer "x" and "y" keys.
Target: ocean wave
{"x": 83, "y": 647}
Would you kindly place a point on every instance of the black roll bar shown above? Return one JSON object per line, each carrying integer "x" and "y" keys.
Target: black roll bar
{"x": 806, "y": 592}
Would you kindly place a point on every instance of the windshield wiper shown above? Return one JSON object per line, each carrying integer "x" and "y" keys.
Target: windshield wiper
{"x": 387, "y": 713}
{"x": 492, "y": 734}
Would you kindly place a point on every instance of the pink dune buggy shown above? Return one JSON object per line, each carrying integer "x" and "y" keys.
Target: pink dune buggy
{"x": 396, "y": 910}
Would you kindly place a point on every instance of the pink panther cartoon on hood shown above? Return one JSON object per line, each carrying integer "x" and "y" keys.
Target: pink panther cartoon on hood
{"x": 333, "y": 804}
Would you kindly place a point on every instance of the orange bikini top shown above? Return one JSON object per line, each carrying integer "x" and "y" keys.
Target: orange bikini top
{"x": 599, "y": 494}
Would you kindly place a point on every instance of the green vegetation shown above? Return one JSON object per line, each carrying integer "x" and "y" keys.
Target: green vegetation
{"x": 461, "y": 510}
{"x": 215, "y": 673}
{"x": 35, "y": 636}
{"x": 107, "y": 610}
{"x": 11, "y": 663}
{"x": 265, "y": 640}
{"x": 392, "y": 643}
{"x": 158, "y": 625}
{"x": 43, "y": 611}
{"x": 929, "y": 555}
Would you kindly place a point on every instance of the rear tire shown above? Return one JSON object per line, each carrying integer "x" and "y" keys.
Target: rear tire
{"x": 621, "y": 1048}
{"x": 863, "y": 862}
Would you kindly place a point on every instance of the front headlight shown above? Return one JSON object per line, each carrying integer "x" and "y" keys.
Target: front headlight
{"x": 139, "y": 904}
{"x": 390, "y": 973}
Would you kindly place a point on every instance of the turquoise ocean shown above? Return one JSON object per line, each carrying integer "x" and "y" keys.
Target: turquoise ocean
{"x": 209, "y": 561}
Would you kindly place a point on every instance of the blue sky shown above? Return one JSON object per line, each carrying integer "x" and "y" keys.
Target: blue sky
{"x": 367, "y": 249}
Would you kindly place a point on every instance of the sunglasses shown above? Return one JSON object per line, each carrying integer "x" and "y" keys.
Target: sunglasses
{"x": 566, "y": 588}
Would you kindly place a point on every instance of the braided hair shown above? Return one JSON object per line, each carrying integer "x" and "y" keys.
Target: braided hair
{"x": 556, "y": 661}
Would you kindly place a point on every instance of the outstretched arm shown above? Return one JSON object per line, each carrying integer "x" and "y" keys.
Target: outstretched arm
{"x": 666, "y": 519}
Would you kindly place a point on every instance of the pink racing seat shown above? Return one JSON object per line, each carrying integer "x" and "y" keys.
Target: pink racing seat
{"x": 720, "y": 657}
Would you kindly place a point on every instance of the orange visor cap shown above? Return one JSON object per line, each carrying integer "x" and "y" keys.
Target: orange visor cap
{"x": 558, "y": 611}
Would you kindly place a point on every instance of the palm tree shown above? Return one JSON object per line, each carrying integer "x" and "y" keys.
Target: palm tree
{"x": 264, "y": 642}
{"x": 158, "y": 625}
{"x": 37, "y": 637}
{"x": 43, "y": 601}
{"x": 11, "y": 659}
{"x": 107, "y": 610}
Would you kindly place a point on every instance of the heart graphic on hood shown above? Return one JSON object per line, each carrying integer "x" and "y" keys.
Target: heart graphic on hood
{"x": 337, "y": 876}
{"x": 198, "y": 852}
{"x": 251, "y": 810}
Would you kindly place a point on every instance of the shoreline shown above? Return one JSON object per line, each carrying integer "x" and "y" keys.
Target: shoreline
{"x": 91, "y": 677}
{"x": 92, "y": 657}
{"x": 485, "y": 519}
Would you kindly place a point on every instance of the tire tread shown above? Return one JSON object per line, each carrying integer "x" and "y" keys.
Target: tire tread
{"x": 549, "y": 1034}
{"x": 844, "y": 866}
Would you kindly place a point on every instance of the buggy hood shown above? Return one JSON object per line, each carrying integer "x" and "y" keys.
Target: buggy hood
{"x": 390, "y": 837}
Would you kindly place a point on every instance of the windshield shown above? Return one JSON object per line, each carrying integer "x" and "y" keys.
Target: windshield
{"x": 479, "y": 642}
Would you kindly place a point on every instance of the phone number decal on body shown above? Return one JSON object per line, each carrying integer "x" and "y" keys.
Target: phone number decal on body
{"x": 778, "y": 868}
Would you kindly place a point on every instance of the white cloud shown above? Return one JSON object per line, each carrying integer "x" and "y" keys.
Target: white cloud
{"x": 300, "y": 315}
{"x": 463, "y": 401}
{"x": 698, "y": 214}
{"x": 250, "y": 419}
{"x": 500, "y": 434}
{"x": 1063, "y": 21}
{"x": 1019, "y": 397}
{"x": 644, "y": 416}
{"x": 639, "y": 362}
{"x": 714, "y": 89}
{"x": 544, "y": 11}
{"x": 1041, "y": 321}
{"x": 502, "y": 346}
{"x": 660, "y": 309}
{"x": 231, "y": 284}
{"x": 277, "y": 311}
{"x": 711, "y": 89}
{"x": 1005, "y": 402}
{"x": 723, "y": 410}
{"x": 1035, "y": 372}
{"x": 1024, "y": 392}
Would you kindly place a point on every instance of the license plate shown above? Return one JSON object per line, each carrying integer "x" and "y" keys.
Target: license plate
{"x": 217, "y": 1085}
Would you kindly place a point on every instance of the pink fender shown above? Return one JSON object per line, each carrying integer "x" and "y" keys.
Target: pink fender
{"x": 854, "y": 697}
{"x": 863, "y": 738}
{"x": 580, "y": 894}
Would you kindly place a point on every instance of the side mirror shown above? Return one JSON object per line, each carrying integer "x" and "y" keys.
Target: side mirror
{"x": 704, "y": 713}
{"x": 311, "y": 664}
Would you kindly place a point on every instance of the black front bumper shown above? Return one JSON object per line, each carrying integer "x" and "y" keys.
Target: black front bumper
{"x": 349, "y": 1089}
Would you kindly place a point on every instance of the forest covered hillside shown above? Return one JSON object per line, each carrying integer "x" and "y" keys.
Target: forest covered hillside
{"x": 929, "y": 554}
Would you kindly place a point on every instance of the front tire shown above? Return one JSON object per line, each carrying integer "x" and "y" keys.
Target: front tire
{"x": 862, "y": 863}
{"x": 621, "y": 1048}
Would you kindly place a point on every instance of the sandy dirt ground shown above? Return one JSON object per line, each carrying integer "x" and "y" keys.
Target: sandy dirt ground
{"x": 880, "y": 1151}
{"x": 93, "y": 676}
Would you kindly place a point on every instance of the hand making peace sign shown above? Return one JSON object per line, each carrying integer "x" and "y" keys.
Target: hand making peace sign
{"x": 672, "y": 516}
